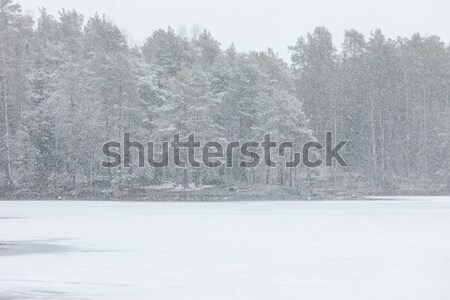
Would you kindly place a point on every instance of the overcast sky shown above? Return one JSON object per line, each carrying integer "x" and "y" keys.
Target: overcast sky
{"x": 258, "y": 24}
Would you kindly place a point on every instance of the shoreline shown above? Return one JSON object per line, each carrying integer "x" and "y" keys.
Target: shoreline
{"x": 224, "y": 193}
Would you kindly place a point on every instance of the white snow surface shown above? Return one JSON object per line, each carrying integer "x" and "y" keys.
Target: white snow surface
{"x": 380, "y": 249}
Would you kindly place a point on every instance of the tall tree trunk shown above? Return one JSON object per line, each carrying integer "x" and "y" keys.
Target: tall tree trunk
{"x": 408, "y": 136}
{"x": 107, "y": 125}
{"x": 72, "y": 136}
{"x": 374, "y": 139}
{"x": 18, "y": 100}
{"x": 91, "y": 166}
{"x": 121, "y": 118}
{"x": 335, "y": 125}
{"x": 425, "y": 133}
{"x": 290, "y": 169}
{"x": 7, "y": 135}
{"x": 382, "y": 148}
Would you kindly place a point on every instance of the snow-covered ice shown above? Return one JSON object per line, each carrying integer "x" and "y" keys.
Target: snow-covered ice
{"x": 238, "y": 250}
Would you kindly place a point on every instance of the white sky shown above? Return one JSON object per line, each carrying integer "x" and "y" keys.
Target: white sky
{"x": 258, "y": 24}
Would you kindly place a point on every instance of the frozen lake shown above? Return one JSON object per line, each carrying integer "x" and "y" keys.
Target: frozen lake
{"x": 247, "y": 250}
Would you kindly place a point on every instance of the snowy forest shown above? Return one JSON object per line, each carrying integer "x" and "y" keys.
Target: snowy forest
{"x": 68, "y": 84}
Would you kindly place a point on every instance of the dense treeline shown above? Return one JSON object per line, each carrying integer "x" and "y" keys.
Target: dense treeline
{"x": 389, "y": 97}
{"x": 68, "y": 85}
